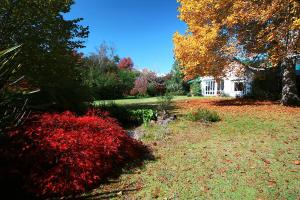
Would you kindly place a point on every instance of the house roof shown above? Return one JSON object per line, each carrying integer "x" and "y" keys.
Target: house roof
{"x": 197, "y": 80}
{"x": 298, "y": 69}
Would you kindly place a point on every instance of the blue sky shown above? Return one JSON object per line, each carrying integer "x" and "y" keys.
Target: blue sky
{"x": 140, "y": 29}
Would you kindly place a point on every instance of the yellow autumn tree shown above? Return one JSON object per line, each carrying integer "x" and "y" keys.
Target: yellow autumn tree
{"x": 222, "y": 30}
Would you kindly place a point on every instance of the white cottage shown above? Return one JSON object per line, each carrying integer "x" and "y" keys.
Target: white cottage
{"x": 236, "y": 82}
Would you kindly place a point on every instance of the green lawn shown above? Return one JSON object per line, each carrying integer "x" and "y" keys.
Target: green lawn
{"x": 142, "y": 100}
{"x": 249, "y": 154}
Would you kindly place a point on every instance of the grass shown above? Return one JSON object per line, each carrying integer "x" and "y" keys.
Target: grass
{"x": 150, "y": 100}
{"x": 249, "y": 154}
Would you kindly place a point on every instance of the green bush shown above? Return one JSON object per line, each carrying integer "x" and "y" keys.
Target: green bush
{"x": 164, "y": 102}
{"x": 121, "y": 113}
{"x": 151, "y": 90}
{"x": 127, "y": 79}
{"x": 203, "y": 115}
{"x": 176, "y": 84}
{"x": 196, "y": 88}
{"x": 70, "y": 95}
{"x": 107, "y": 86}
{"x": 107, "y": 81}
{"x": 174, "y": 87}
{"x": 129, "y": 117}
{"x": 143, "y": 115}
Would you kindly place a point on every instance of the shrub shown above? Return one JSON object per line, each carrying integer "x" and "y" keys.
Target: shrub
{"x": 63, "y": 154}
{"x": 127, "y": 79}
{"x": 127, "y": 116}
{"x": 196, "y": 88}
{"x": 176, "y": 84}
{"x": 151, "y": 89}
{"x": 164, "y": 102}
{"x": 121, "y": 113}
{"x": 143, "y": 115}
{"x": 174, "y": 87}
{"x": 106, "y": 75}
{"x": 203, "y": 115}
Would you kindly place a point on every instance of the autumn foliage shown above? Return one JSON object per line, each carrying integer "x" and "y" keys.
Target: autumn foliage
{"x": 126, "y": 63}
{"x": 222, "y": 31}
{"x": 140, "y": 86}
{"x": 63, "y": 154}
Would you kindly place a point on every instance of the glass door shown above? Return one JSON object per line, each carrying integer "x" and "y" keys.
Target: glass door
{"x": 209, "y": 87}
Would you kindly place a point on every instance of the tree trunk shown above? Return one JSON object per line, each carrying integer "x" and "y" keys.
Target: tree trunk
{"x": 289, "y": 87}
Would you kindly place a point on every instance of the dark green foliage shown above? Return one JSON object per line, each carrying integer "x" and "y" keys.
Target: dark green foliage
{"x": 203, "y": 115}
{"x": 106, "y": 86}
{"x": 196, "y": 88}
{"x": 127, "y": 79}
{"x": 121, "y": 113}
{"x": 176, "y": 84}
{"x": 110, "y": 85}
{"x": 266, "y": 86}
{"x": 48, "y": 54}
{"x": 164, "y": 102}
{"x": 129, "y": 116}
{"x": 151, "y": 90}
{"x": 143, "y": 116}
{"x": 104, "y": 78}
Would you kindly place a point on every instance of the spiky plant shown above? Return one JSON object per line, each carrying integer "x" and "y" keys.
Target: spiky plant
{"x": 12, "y": 104}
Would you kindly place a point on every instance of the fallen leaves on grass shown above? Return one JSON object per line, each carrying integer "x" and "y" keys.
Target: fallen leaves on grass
{"x": 266, "y": 161}
{"x": 268, "y": 109}
{"x": 297, "y": 162}
{"x": 271, "y": 183}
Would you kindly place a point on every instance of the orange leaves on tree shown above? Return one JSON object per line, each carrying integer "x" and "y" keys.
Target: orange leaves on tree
{"x": 220, "y": 30}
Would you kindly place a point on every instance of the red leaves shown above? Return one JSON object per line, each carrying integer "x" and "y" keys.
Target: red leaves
{"x": 126, "y": 63}
{"x": 68, "y": 154}
{"x": 140, "y": 86}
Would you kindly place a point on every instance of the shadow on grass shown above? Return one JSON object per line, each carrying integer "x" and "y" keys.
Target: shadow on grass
{"x": 106, "y": 194}
{"x": 128, "y": 169}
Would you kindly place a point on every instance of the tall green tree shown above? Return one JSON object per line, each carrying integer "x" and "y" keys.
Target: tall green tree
{"x": 176, "y": 85}
{"x": 104, "y": 77}
{"x": 49, "y": 43}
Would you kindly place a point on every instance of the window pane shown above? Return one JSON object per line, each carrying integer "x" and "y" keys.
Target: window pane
{"x": 238, "y": 86}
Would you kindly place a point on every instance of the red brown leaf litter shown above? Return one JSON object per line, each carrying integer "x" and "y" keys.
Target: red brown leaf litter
{"x": 268, "y": 109}
{"x": 297, "y": 162}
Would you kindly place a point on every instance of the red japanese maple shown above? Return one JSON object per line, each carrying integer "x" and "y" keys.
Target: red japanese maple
{"x": 68, "y": 154}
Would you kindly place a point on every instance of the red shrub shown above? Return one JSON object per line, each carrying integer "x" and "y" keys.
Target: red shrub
{"x": 67, "y": 154}
{"x": 126, "y": 63}
{"x": 140, "y": 86}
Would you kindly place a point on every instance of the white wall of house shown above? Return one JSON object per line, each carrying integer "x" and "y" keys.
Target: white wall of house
{"x": 232, "y": 85}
